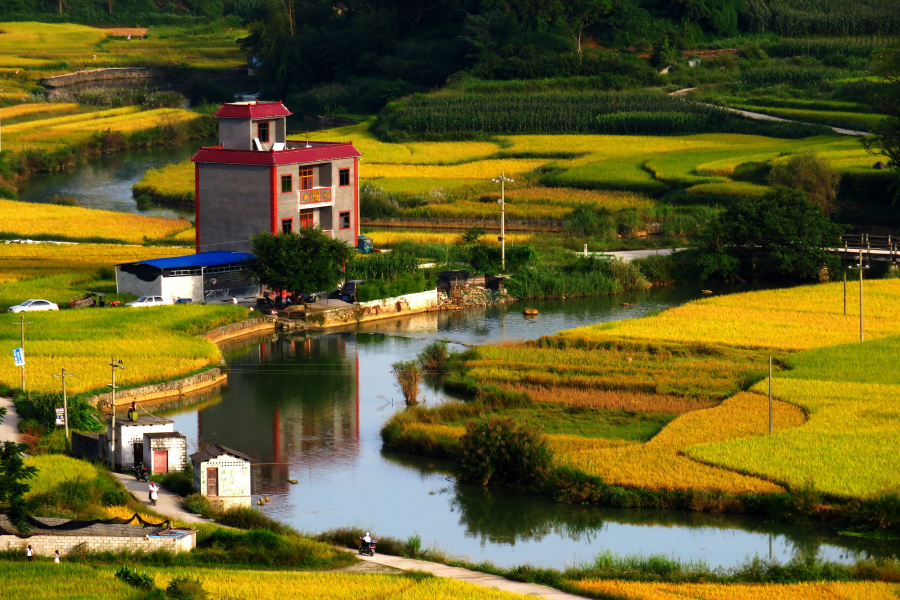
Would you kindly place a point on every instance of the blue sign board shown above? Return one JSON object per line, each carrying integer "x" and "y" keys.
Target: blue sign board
{"x": 19, "y": 356}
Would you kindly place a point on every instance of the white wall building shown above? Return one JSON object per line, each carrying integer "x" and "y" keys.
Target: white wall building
{"x": 200, "y": 277}
{"x": 129, "y": 442}
{"x": 222, "y": 475}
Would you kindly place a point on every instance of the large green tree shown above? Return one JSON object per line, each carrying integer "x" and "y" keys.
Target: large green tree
{"x": 308, "y": 261}
{"x": 13, "y": 481}
{"x": 886, "y": 141}
{"x": 780, "y": 233}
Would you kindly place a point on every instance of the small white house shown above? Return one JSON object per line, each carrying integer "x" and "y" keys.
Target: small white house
{"x": 165, "y": 452}
{"x": 129, "y": 448}
{"x": 222, "y": 475}
{"x": 202, "y": 277}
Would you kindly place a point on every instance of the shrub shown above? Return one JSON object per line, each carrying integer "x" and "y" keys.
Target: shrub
{"x": 180, "y": 482}
{"x": 434, "y": 356}
{"x": 135, "y": 578}
{"x": 809, "y": 174}
{"x": 185, "y": 588}
{"x": 408, "y": 376}
{"x": 499, "y": 449}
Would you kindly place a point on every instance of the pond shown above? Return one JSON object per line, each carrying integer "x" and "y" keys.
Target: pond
{"x": 310, "y": 408}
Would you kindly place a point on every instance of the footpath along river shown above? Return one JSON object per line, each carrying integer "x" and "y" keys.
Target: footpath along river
{"x": 312, "y": 406}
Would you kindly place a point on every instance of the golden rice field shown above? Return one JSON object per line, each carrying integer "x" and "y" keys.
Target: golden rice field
{"x": 390, "y": 238}
{"x": 53, "y": 469}
{"x": 82, "y": 341}
{"x": 76, "y": 223}
{"x": 791, "y": 319}
{"x": 629, "y": 590}
{"x": 172, "y": 182}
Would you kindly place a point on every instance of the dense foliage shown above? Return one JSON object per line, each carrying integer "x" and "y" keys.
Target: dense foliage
{"x": 500, "y": 450}
{"x": 299, "y": 262}
{"x": 886, "y": 141}
{"x": 144, "y": 12}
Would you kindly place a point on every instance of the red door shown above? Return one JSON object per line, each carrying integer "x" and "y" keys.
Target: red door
{"x": 160, "y": 461}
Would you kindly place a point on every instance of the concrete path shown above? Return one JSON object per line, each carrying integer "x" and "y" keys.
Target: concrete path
{"x": 474, "y": 577}
{"x": 169, "y": 503}
{"x": 9, "y": 429}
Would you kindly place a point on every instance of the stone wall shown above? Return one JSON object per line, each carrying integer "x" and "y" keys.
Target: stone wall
{"x": 88, "y": 446}
{"x": 243, "y": 328}
{"x": 376, "y": 309}
{"x": 46, "y": 545}
{"x": 171, "y": 389}
{"x": 175, "y": 447}
{"x": 489, "y": 224}
{"x": 96, "y": 75}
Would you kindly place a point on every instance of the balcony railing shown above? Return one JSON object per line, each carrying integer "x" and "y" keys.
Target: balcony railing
{"x": 316, "y": 195}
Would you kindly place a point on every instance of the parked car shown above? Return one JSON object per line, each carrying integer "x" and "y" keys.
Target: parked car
{"x": 184, "y": 301}
{"x": 33, "y": 305}
{"x": 149, "y": 301}
{"x": 348, "y": 290}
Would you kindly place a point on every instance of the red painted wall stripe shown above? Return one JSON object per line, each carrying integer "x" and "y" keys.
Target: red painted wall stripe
{"x": 356, "y": 198}
{"x": 197, "y": 207}
{"x": 274, "y": 200}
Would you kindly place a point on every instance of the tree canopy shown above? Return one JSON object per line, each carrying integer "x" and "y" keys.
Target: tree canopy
{"x": 13, "y": 481}
{"x": 309, "y": 261}
{"x": 886, "y": 141}
{"x": 781, "y": 233}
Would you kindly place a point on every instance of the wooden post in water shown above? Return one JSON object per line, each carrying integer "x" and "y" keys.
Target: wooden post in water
{"x": 770, "y": 393}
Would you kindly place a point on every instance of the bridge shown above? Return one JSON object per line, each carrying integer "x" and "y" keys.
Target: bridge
{"x": 873, "y": 247}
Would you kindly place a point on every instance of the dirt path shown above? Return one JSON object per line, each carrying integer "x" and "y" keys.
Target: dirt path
{"x": 9, "y": 429}
{"x": 473, "y": 577}
{"x": 763, "y": 117}
{"x": 169, "y": 503}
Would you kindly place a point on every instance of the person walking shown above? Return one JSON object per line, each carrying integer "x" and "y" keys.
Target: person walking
{"x": 56, "y": 557}
{"x": 29, "y": 554}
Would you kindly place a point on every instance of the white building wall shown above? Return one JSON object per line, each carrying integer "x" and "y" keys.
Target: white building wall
{"x": 126, "y": 283}
{"x": 128, "y": 435}
{"x": 183, "y": 286}
{"x": 234, "y": 476}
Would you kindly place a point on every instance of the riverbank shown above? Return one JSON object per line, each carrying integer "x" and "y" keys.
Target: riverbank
{"x": 709, "y": 458}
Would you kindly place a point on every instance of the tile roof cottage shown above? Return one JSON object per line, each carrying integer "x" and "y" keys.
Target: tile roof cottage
{"x": 255, "y": 180}
{"x": 222, "y": 475}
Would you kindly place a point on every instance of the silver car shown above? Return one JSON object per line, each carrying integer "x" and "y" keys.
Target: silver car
{"x": 34, "y": 304}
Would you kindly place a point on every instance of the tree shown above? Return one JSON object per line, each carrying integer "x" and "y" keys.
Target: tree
{"x": 578, "y": 15}
{"x": 886, "y": 139}
{"x": 810, "y": 175}
{"x": 308, "y": 261}
{"x": 13, "y": 477}
{"x": 780, "y": 233}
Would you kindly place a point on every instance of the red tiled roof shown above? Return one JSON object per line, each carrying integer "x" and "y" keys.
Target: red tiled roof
{"x": 253, "y": 110}
{"x": 318, "y": 153}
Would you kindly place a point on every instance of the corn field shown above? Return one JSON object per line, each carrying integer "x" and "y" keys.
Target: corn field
{"x": 823, "y": 18}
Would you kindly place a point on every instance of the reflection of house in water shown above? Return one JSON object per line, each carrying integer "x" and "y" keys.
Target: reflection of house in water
{"x": 291, "y": 404}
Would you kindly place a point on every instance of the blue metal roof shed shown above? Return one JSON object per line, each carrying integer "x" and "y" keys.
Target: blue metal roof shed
{"x": 193, "y": 261}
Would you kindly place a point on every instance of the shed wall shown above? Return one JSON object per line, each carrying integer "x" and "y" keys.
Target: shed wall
{"x": 131, "y": 284}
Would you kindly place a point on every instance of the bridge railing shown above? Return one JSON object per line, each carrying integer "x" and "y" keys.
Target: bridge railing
{"x": 864, "y": 241}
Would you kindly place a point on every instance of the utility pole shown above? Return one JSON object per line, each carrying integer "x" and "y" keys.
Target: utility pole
{"x": 770, "y": 393}
{"x": 502, "y": 181}
{"x": 860, "y": 268}
{"x": 62, "y": 375}
{"x": 845, "y": 293}
{"x": 112, "y": 436}
{"x": 22, "y": 323}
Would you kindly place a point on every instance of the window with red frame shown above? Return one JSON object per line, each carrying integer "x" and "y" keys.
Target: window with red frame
{"x": 344, "y": 177}
{"x": 345, "y": 220}
{"x": 287, "y": 183}
{"x": 306, "y": 219}
{"x": 287, "y": 225}
{"x": 306, "y": 178}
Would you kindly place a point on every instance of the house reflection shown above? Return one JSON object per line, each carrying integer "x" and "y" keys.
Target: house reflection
{"x": 292, "y": 404}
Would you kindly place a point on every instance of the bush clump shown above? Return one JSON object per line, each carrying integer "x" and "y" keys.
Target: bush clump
{"x": 500, "y": 450}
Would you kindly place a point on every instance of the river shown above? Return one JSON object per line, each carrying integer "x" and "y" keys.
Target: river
{"x": 310, "y": 408}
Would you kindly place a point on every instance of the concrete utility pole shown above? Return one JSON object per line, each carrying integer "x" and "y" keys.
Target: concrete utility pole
{"x": 770, "y": 393}
{"x": 112, "y": 436}
{"x": 860, "y": 268}
{"x": 502, "y": 181}
{"x": 845, "y": 293}
{"x": 62, "y": 375}
{"x": 22, "y": 323}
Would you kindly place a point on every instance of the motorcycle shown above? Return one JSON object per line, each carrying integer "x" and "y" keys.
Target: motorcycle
{"x": 367, "y": 548}
{"x": 141, "y": 472}
{"x": 154, "y": 496}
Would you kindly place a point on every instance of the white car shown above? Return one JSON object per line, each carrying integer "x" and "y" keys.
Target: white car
{"x": 149, "y": 301}
{"x": 33, "y": 305}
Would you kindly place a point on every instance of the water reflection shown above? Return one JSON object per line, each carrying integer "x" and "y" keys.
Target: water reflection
{"x": 310, "y": 408}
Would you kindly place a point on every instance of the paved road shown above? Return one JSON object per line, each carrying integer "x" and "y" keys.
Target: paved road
{"x": 473, "y": 577}
{"x": 169, "y": 503}
{"x": 9, "y": 429}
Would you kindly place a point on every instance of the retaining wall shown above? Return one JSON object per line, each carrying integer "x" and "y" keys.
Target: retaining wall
{"x": 96, "y": 75}
{"x": 489, "y": 224}
{"x": 377, "y": 309}
{"x": 46, "y": 545}
{"x": 243, "y": 328}
{"x": 170, "y": 389}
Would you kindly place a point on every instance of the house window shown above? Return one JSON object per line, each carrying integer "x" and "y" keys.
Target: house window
{"x": 344, "y": 177}
{"x": 286, "y": 183}
{"x": 262, "y": 132}
{"x": 306, "y": 178}
{"x": 287, "y": 225}
{"x": 345, "y": 220}
{"x": 306, "y": 219}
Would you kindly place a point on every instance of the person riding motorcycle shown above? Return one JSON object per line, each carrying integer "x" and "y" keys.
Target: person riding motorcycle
{"x": 154, "y": 492}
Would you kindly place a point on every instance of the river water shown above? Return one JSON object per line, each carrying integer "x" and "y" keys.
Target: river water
{"x": 310, "y": 408}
